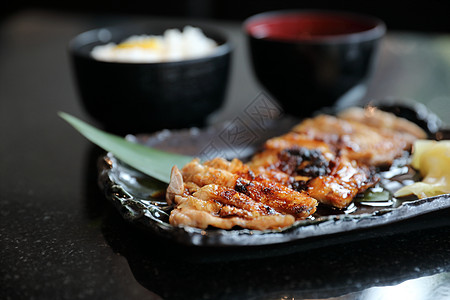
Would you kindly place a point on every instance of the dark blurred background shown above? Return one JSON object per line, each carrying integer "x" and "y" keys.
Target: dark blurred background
{"x": 430, "y": 15}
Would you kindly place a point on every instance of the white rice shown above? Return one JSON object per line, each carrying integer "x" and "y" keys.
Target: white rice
{"x": 173, "y": 45}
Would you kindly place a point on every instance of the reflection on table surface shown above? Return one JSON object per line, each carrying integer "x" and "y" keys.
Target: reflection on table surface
{"x": 427, "y": 287}
{"x": 60, "y": 238}
{"x": 436, "y": 287}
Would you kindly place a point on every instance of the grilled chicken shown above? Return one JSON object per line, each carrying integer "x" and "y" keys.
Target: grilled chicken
{"x": 379, "y": 119}
{"x": 218, "y": 206}
{"x": 280, "y": 198}
{"x": 324, "y": 159}
{"x": 311, "y": 165}
{"x": 372, "y": 138}
{"x": 344, "y": 181}
{"x": 224, "y": 199}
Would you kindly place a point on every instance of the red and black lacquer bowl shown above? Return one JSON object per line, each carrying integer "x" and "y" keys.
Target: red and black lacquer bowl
{"x": 309, "y": 60}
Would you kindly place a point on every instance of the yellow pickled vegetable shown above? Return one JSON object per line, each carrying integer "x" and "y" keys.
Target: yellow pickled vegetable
{"x": 432, "y": 159}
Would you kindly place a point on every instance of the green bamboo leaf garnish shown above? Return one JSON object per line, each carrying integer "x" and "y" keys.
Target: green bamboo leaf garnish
{"x": 152, "y": 162}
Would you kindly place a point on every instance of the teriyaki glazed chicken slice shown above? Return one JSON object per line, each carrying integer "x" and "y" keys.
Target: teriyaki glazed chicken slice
{"x": 326, "y": 159}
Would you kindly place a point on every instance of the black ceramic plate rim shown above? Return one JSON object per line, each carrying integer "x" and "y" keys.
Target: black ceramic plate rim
{"x": 138, "y": 211}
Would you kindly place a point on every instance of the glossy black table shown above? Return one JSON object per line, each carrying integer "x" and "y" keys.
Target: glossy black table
{"x": 61, "y": 239}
